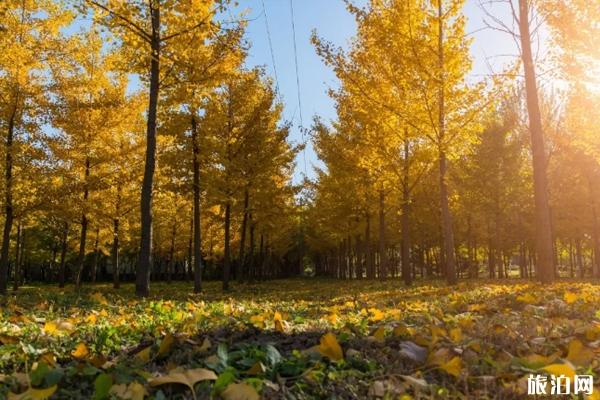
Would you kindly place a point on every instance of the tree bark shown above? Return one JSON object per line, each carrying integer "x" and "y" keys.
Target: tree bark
{"x": 241, "y": 257}
{"x": 94, "y": 270}
{"x": 62, "y": 275}
{"x": 368, "y": 249}
{"x": 84, "y": 225}
{"x": 545, "y": 264}
{"x": 383, "y": 262}
{"x": 115, "y": 254}
{"x": 8, "y": 206}
{"x": 197, "y": 245}
{"x": 406, "y": 271}
{"x": 18, "y": 253}
{"x": 142, "y": 284}
{"x": 227, "y": 250}
{"x": 447, "y": 230}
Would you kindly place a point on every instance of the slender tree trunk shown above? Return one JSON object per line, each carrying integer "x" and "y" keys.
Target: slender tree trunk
{"x": 171, "y": 263}
{"x": 197, "y": 227}
{"x": 115, "y": 254}
{"x": 368, "y": 249}
{"x": 595, "y": 232}
{"x": 579, "y": 257}
{"x": 18, "y": 253}
{"x": 446, "y": 216}
{"x": 252, "y": 244}
{"x": 8, "y": 203}
{"x": 94, "y": 271}
{"x": 241, "y": 257}
{"x": 406, "y": 270}
{"x": 227, "y": 250}
{"x": 383, "y": 261}
{"x": 142, "y": 284}
{"x": 543, "y": 244}
{"x": 84, "y": 225}
{"x": 62, "y": 275}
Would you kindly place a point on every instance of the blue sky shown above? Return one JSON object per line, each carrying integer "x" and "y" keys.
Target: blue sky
{"x": 332, "y": 22}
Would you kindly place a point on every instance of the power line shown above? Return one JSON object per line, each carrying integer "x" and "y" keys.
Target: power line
{"x": 271, "y": 49}
{"x": 298, "y": 86}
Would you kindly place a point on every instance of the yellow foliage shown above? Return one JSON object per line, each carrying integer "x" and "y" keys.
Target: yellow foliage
{"x": 329, "y": 347}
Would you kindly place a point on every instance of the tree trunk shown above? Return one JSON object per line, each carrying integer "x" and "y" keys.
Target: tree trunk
{"x": 171, "y": 263}
{"x": 84, "y": 225}
{"x": 447, "y": 230}
{"x": 197, "y": 227}
{"x": 18, "y": 253}
{"x": 62, "y": 275}
{"x": 579, "y": 257}
{"x": 544, "y": 265}
{"x": 241, "y": 260}
{"x": 251, "y": 253}
{"x": 368, "y": 249}
{"x": 94, "y": 271}
{"x": 406, "y": 270}
{"x": 115, "y": 254}
{"x": 227, "y": 250}
{"x": 8, "y": 203}
{"x": 383, "y": 262}
{"x": 142, "y": 283}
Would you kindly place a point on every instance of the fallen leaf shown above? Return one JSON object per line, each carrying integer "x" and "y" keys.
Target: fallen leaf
{"x": 453, "y": 367}
{"x": 188, "y": 378}
{"x": 240, "y": 391}
{"x": 579, "y": 354}
{"x": 570, "y": 297}
{"x": 165, "y": 345}
{"x": 560, "y": 369}
{"x": 33, "y": 394}
{"x": 144, "y": 354}
{"x": 81, "y": 351}
{"x": 329, "y": 347}
{"x": 256, "y": 369}
{"x": 379, "y": 334}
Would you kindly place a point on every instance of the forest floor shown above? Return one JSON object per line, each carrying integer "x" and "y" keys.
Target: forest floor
{"x": 297, "y": 339}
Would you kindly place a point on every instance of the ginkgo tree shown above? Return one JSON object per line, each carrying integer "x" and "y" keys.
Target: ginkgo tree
{"x": 30, "y": 32}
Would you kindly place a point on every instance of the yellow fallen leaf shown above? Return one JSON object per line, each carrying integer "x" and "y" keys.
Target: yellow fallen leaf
{"x": 403, "y": 331}
{"x": 143, "y": 355}
{"x": 456, "y": 335}
{"x": 376, "y": 315}
{"x": 188, "y": 378}
{"x": 560, "y": 369}
{"x": 204, "y": 347}
{"x": 258, "y": 321}
{"x": 133, "y": 391}
{"x": 570, "y": 297}
{"x": 453, "y": 367}
{"x": 50, "y": 328}
{"x": 527, "y": 298}
{"x": 33, "y": 394}
{"x": 256, "y": 369}
{"x": 579, "y": 354}
{"x": 99, "y": 297}
{"x": 240, "y": 391}
{"x": 329, "y": 347}
{"x": 81, "y": 351}
{"x": 165, "y": 345}
{"x": 379, "y": 334}
{"x": 91, "y": 319}
{"x": 333, "y": 318}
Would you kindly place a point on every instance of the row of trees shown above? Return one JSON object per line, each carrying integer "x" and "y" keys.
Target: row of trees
{"x": 135, "y": 141}
{"x": 447, "y": 174}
